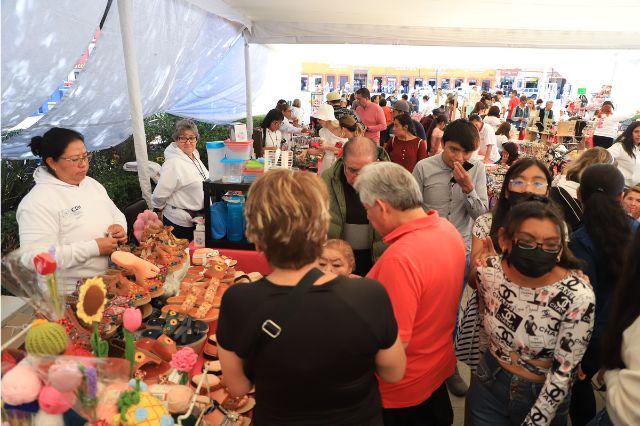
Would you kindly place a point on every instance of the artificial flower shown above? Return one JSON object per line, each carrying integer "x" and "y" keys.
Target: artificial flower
{"x": 184, "y": 359}
{"x": 132, "y": 319}
{"x": 92, "y": 300}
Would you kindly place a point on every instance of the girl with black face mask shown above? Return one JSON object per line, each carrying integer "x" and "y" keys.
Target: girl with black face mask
{"x": 525, "y": 377}
{"x": 526, "y": 179}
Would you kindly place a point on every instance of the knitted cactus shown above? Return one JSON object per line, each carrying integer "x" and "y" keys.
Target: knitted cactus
{"x": 46, "y": 338}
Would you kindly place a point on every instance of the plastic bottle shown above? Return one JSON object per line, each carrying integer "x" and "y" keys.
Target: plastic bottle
{"x": 215, "y": 154}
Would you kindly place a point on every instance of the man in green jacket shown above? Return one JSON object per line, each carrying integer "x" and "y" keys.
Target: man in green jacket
{"x": 348, "y": 216}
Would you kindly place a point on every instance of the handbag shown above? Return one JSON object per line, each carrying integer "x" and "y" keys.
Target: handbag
{"x": 467, "y": 341}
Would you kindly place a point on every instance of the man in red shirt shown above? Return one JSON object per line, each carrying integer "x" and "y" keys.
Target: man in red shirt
{"x": 422, "y": 270}
{"x": 370, "y": 114}
{"x": 513, "y": 103}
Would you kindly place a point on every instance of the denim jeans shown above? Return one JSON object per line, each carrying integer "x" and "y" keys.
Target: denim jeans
{"x": 500, "y": 398}
{"x": 601, "y": 419}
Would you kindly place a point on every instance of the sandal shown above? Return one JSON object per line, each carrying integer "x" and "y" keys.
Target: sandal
{"x": 211, "y": 347}
{"x": 205, "y": 312}
{"x": 171, "y": 324}
{"x": 187, "y": 335}
{"x": 211, "y": 383}
{"x": 239, "y": 405}
{"x": 148, "y": 365}
{"x": 213, "y": 367}
{"x": 163, "y": 346}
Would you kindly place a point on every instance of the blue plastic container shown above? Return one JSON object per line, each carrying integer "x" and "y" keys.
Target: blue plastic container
{"x": 219, "y": 214}
{"x": 235, "y": 218}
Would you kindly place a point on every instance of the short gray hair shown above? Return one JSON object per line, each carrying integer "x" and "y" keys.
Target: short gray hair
{"x": 389, "y": 182}
{"x": 183, "y": 125}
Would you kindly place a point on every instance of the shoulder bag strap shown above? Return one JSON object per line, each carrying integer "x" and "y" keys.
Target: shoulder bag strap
{"x": 271, "y": 328}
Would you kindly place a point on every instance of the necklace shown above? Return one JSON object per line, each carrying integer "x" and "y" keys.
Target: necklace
{"x": 275, "y": 143}
{"x": 200, "y": 170}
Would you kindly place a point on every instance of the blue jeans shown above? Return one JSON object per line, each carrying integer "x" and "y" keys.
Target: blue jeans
{"x": 601, "y": 419}
{"x": 500, "y": 398}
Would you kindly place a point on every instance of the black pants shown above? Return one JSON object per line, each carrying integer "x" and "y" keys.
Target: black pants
{"x": 434, "y": 411}
{"x": 180, "y": 231}
{"x": 602, "y": 141}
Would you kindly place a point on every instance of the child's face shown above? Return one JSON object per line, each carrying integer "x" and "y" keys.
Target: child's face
{"x": 333, "y": 261}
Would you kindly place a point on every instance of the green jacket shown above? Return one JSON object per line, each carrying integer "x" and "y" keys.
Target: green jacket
{"x": 338, "y": 206}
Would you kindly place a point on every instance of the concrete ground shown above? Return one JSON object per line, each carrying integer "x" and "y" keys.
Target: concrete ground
{"x": 458, "y": 402}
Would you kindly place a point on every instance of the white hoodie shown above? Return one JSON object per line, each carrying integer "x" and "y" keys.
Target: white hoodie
{"x": 180, "y": 186}
{"x": 55, "y": 212}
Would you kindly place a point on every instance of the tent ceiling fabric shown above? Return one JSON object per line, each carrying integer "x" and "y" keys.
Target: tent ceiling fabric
{"x": 220, "y": 97}
{"x": 500, "y": 23}
{"x": 186, "y": 42}
{"x": 41, "y": 42}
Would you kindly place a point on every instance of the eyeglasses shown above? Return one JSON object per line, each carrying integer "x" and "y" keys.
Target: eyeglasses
{"x": 521, "y": 184}
{"x": 183, "y": 139}
{"x": 78, "y": 160}
{"x": 532, "y": 245}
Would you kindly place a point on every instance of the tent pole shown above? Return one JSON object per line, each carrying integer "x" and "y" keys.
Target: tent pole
{"x": 133, "y": 86}
{"x": 247, "y": 75}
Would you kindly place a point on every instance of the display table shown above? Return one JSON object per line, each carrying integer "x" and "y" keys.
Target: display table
{"x": 248, "y": 260}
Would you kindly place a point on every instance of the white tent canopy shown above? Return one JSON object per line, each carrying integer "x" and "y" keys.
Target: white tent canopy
{"x": 188, "y": 51}
{"x": 500, "y": 23}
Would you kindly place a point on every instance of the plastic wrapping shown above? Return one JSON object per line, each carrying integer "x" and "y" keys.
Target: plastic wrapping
{"x": 43, "y": 291}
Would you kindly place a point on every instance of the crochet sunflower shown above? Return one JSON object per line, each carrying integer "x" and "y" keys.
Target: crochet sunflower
{"x": 92, "y": 299}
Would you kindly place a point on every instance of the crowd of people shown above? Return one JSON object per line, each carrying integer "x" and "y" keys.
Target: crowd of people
{"x": 359, "y": 321}
{"x": 412, "y": 213}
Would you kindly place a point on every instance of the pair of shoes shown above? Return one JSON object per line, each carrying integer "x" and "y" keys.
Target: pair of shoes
{"x": 456, "y": 385}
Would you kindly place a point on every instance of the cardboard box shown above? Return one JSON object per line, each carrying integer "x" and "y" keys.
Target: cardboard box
{"x": 238, "y": 132}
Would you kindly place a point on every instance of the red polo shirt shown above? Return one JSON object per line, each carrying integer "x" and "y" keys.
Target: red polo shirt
{"x": 513, "y": 103}
{"x": 422, "y": 270}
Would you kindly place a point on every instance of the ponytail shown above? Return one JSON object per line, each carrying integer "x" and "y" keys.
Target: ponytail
{"x": 608, "y": 226}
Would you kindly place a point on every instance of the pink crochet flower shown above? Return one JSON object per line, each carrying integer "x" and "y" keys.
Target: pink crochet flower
{"x": 132, "y": 319}
{"x": 184, "y": 359}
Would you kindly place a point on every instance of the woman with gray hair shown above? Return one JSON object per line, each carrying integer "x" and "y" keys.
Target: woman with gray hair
{"x": 179, "y": 195}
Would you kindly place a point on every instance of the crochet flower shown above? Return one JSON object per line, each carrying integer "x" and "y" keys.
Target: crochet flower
{"x": 92, "y": 300}
{"x": 132, "y": 319}
{"x": 184, "y": 359}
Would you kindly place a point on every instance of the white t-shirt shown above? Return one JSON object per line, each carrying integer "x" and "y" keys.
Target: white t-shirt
{"x": 629, "y": 166}
{"x": 488, "y": 137}
{"x": 494, "y": 122}
{"x": 273, "y": 139}
{"x": 607, "y": 126}
{"x": 329, "y": 139}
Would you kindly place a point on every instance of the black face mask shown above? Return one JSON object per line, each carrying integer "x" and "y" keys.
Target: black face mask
{"x": 518, "y": 197}
{"x": 532, "y": 263}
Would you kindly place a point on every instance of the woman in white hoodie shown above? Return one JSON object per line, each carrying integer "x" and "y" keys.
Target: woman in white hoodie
{"x": 179, "y": 193}
{"x": 69, "y": 210}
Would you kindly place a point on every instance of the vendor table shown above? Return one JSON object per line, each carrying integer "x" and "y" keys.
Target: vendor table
{"x": 248, "y": 260}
